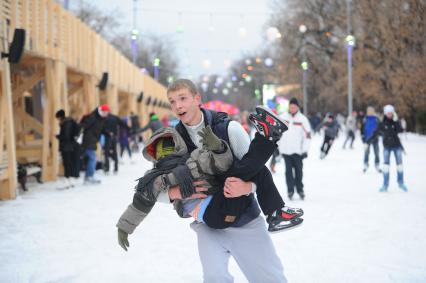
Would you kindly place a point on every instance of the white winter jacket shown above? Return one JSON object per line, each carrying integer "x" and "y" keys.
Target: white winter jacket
{"x": 297, "y": 138}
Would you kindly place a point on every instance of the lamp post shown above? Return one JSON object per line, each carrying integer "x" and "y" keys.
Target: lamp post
{"x": 350, "y": 43}
{"x": 305, "y": 67}
{"x": 156, "y": 68}
{"x": 134, "y": 34}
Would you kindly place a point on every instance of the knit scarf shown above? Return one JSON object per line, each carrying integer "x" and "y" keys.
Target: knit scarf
{"x": 170, "y": 164}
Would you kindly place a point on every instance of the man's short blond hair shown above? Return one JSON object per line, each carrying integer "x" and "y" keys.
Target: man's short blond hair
{"x": 183, "y": 83}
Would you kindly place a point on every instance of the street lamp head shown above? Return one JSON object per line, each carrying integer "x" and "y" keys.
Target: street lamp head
{"x": 303, "y": 28}
{"x": 350, "y": 40}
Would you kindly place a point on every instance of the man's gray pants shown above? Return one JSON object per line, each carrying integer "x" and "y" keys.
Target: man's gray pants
{"x": 250, "y": 245}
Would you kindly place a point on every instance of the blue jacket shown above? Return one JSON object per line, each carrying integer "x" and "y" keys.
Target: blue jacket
{"x": 369, "y": 125}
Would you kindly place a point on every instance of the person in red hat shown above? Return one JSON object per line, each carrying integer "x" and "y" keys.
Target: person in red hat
{"x": 92, "y": 125}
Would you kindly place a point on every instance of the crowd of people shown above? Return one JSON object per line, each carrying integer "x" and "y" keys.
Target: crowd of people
{"x": 209, "y": 169}
{"x": 78, "y": 141}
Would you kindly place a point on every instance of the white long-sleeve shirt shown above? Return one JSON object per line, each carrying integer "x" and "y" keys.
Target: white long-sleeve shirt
{"x": 296, "y": 139}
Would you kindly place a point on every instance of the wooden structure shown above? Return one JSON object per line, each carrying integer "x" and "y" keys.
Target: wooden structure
{"x": 62, "y": 64}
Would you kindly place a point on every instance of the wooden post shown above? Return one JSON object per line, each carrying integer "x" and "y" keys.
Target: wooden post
{"x": 50, "y": 154}
{"x": 7, "y": 132}
{"x": 112, "y": 98}
{"x": 90, "y": 93}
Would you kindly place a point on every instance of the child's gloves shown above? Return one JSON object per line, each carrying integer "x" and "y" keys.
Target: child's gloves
{"x": 209, "y": 140}
{"x": 122, "y": 239}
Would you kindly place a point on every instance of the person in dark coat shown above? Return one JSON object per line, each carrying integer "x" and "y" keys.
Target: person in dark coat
{"x": 92, "y": 125}
{"x": 134, "y": 133}
{"x": 389, "y": 128}
{"x": 110, "y": 131}
{"x": 124, "y": 136}
{"x": 331, "y": 128}
{"x": 68, "y": 146}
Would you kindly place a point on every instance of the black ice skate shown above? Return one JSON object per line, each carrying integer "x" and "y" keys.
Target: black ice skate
{"x": 278, "y": 224}
{"x": 268, "y": 123}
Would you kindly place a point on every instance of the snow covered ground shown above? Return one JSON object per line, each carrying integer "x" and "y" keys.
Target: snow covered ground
{"x": 351, "y": 233}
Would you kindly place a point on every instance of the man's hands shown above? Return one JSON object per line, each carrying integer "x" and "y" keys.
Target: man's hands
{"x": 122, "y": 239}
{"x": 235, "y": 187}
{"x": 209, "y": 140}
{"x": 174, "y": 192}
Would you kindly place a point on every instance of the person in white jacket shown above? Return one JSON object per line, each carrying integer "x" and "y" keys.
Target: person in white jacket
{"x": 294, "y": 146}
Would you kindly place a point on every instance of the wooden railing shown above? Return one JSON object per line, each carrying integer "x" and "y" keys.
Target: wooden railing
{"x": 53, "y": 32}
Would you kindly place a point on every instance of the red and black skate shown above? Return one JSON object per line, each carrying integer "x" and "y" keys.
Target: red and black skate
{"x": 268, "y": 124}
{"x": 284, "y": 218}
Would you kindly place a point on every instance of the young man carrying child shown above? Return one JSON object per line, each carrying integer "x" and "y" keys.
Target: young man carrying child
{"x": 246, "y": 235}
{"x": 174, "y": 166}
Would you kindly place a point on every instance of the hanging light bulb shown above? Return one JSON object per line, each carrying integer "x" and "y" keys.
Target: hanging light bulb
{"x": 180, "y": 28}
{"x": 303, "y": 28}
{"x": 206, "y": 64}
{"x": 242, "y": 30}
{"x": 272, "y": 33}
{"x": 204, "y": 86}
{"x": 227, "y": 63}
{"x": 269, "y": 62}
{"x": 211, "y": 26}
{"x": 225, "y": 91}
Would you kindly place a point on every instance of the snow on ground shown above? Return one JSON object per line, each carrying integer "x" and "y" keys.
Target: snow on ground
{"x": 351, "y": 233}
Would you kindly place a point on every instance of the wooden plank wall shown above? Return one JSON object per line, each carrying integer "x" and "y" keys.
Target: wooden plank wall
{"x": 67, "y": 53}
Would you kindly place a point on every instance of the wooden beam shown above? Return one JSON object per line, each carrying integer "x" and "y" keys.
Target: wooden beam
{"x": 74, "y": 90}
{"x": 29, "y": 121}
{"x": 29, "y": 83}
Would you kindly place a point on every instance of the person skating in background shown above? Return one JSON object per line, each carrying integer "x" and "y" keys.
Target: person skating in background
{"x": 315, "y": 121}
{"x": 331, "y": 129}
{"x": 389, "y": 128}
{"x": 110, "y": 131}
{"x": 134, "y": 135}
{"x": 92, "y": 125}
{"x": 124, "y": 138}
{"x": 294, "y": 147}
{"x": 68, "y": 146}
{"x": 369, "y": 125}
{"x": 351, "y": 127}
{"x": 153, "y": 124}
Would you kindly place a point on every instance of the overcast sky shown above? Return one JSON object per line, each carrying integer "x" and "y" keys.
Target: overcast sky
{"x": 198, "y": 42}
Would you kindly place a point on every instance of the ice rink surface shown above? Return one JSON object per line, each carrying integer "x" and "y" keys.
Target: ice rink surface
{"x": 351, "y": 232}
